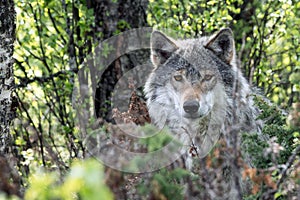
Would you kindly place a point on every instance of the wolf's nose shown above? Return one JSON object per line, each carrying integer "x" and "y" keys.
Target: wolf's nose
{"x": 191, "y": 106}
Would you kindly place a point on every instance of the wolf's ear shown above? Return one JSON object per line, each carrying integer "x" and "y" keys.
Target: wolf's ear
{"x": 162, "y": 47}
{"x": 222, "y": 44}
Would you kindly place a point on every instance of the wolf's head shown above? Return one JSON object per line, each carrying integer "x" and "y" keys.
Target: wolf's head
{"x": 196, "y": 88}
{"x": 190, "y": 76}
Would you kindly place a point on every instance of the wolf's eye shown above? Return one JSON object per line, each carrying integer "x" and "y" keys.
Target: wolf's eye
{"x": 207, "y": 77}
{"x": 178, "y": 77}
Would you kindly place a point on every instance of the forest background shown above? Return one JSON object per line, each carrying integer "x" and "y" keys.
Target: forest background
{"x": 44, "y": 156}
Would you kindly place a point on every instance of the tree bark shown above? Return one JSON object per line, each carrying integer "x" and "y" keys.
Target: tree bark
{"x": 7, "y": 37}
{"x": 111, "y": 18}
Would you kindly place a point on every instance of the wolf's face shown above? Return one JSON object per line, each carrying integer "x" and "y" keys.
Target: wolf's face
{"x": 186, "y": 82}
{"x": 193, "y": 91}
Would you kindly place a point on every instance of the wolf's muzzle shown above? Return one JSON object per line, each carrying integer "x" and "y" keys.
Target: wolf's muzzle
{"x": 191, "y": 106}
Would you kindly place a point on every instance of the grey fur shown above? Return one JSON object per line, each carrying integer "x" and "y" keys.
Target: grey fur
{"x": 231, "y": 91}
{"x": 225, "y": 98}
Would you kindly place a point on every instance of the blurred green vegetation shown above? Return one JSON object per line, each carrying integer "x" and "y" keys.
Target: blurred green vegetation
{"x": 84, "y": 181}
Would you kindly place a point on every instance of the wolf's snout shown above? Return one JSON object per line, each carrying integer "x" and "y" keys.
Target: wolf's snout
{"x": 191, "y": 106}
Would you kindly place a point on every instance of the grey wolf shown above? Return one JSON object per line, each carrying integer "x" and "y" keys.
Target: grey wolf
{"x": 197, "y": 89}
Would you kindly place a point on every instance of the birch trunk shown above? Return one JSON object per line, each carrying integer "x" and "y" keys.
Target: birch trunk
{"x": 7, "y": 36}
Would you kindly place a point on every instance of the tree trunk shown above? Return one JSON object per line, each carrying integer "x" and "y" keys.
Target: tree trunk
{"x": 9, "y": 183}
{"x": 111, "y": 18}
{"x": 7, "y": 36}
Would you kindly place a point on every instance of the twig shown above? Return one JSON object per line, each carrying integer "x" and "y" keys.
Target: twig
{"x": 193, "y": 144}
{"x": 288, "y": 165}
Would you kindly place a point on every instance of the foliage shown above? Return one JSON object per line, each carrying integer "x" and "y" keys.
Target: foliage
{"x": 157, "y": 141}
{"x": 273, "y": 153}
{"x": 46, "y": 62}
{"x": 166, "y": 184}
{"x": 53, "y": 38}
{"x": 192, "y": 18}
{"x": 84, "y": 181}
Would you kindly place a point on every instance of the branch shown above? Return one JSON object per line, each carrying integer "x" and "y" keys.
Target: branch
{"x": 24, "y": 81}
{"x": 283, "y": 174}
{"x": 55, "y": 27}
{"x": 288, "y": 165}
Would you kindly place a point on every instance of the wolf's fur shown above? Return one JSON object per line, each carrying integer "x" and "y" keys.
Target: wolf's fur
{"x": 210, "y": 94}
{"x": 210, "y": 76}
